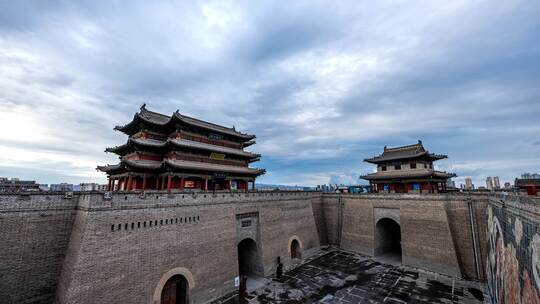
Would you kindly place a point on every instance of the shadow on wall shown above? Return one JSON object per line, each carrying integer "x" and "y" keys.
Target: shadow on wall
{"x": 513, "y": 276}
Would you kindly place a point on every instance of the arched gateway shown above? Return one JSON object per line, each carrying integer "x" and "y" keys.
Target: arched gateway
{"x": 295, "y": 250}
{"x": 248, "y": 258}
{"x": 174, "y": 287}
{"x": 388, "y": 240}
{"x": 175, "y": 291}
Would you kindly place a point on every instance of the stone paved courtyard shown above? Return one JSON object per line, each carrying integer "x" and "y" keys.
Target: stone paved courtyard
{"x": 342, "y": 277}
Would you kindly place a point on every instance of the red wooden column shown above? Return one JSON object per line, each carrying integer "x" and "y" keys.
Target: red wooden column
{"x": 205, "y": 183}
{"x": 144, "y": 182}
{"x": 169, "y": 183}
{"x": 162, "y": 182}
{"x": 157, "y": 182}
{"x": 121, "y": 184}
{"x": 182, "y": 183}
{"x": 247, "y": 185}
{"x": 129, "y": 183}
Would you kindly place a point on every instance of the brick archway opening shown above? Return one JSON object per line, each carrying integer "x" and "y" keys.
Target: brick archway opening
{"x": 248, "y": 258}
{"x": 175, "y": 290}
{"x": 296, "y": 252}
{"x": 388, "y": 240}
{"x": 179, "y": 278}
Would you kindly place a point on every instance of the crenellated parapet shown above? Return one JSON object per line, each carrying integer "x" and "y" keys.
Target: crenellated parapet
{"x": 132, "y": 200}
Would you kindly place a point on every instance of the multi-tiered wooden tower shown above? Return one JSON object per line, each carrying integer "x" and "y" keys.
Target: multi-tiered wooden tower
{"x": 180, "y": 152}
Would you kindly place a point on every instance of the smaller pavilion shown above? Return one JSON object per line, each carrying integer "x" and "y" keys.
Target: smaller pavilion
{"x": 407, "y": 169}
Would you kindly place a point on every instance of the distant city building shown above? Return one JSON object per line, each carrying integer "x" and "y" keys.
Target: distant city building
{"x": 270, "y": 187}
{"x": 324, "y": 188}
{"x": 530, "y": 176}
{"x": 489, "y": 183}
{"x": 450, "y": 183}
{"x": 88, "y": 187}
{"x": 44, "y": 187}
{"x": 350, "y": 189}
{"x": 17, "y": 185}
{"x": 407, "y": 169}
{"x": 496, "y": 183}
{"x": 62, "y": 187}
{"x": 468, "y": 184}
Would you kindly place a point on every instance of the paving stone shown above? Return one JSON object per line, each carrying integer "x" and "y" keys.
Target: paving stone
{"x": 365, "y": 281}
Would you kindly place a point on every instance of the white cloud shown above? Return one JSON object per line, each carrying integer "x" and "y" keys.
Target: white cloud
{"x": 322, "y": 85}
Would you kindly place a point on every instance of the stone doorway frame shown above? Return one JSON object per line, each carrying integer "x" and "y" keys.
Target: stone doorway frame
{"x": 169, "y": 274}
{"x": 289, "y": 244}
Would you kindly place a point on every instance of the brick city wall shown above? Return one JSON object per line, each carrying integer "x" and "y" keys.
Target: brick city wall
{"x": 513, "y": 261}
{"x": 91, "y": 249}
{"x": 436, "y": 230}
{"x": 120, "y": 248}
{"x": 34, "y": 237}
{"x": 467, "y": 217}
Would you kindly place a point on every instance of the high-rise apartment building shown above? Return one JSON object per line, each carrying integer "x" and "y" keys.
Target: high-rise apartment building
{"x": 496, "y": 183}
{"x": 489, "y": 183}
{"x": 468, "y": 184}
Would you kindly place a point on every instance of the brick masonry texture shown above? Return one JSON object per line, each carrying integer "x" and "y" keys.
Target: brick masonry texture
{"x": 34, "y": 234}
{"x": 90, "y": 249}
{"x": 436, "y": 229}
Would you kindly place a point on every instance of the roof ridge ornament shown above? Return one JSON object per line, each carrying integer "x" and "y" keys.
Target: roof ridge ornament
{"x": 143, "y": 107}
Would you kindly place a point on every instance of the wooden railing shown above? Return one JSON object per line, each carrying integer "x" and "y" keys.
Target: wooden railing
{"x": 203, "y": 159}
{"x": 203, "y": 139}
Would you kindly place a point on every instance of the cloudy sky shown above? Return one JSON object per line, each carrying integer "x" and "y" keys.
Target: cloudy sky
{"x": 322, "y": 85}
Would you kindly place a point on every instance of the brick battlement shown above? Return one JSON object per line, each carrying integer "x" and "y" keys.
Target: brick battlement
{"x": 130, "y": 200}
{"x": 35, "y": 201}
